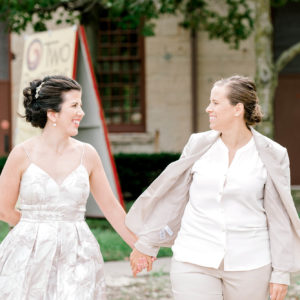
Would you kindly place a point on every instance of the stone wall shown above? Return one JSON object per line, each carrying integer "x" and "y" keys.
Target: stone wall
{"x": 168, "y": 83}
{"x": 215, "y": 61}
{"x": 168, "y": 91}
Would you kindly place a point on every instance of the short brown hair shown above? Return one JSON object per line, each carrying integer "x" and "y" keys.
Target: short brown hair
{"x": 243, "y": 90}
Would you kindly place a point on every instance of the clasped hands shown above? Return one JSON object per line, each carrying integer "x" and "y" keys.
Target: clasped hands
{"x": 140, "y": 261}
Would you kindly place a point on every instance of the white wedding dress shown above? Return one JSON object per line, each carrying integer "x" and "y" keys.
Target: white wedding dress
{"x": 51, "y": 253}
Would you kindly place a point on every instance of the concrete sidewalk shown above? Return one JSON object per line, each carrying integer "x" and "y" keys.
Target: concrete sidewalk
{"x": 121, "y": 285}
{"x": 122, "y": 268}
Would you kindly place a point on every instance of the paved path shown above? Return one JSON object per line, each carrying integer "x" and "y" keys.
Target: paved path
{"x": 121, "y": 285}
{"x": 122, "y": 268}
{"x": 155, "y": 284}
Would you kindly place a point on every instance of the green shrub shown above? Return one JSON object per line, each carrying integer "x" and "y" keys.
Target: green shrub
{"x": 4, "y": 229}
{"x": 296, "y": 196}
{"x": 2, "y": 162}
{"x": 111, "y": 244}
{"x": 137, "y": 171}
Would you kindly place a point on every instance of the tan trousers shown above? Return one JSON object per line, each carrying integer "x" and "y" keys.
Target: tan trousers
{"x": 193, "y": 282}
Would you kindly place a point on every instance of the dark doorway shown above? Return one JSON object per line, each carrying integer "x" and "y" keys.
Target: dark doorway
{"x": 287, "y": 100}
{"x": 287, "y": 120}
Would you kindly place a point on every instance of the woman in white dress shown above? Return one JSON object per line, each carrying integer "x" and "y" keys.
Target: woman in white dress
{"x": 51, "y": 253}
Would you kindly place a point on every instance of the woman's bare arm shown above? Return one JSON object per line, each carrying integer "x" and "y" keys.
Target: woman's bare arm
{"x": 105, "y": 198}
{"x": 10, "y": 184}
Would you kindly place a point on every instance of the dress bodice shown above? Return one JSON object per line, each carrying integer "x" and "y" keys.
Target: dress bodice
{"x": 43, "y": 198}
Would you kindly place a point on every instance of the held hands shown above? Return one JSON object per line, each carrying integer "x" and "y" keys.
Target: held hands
{"x": 278, "y": 291}
{"x": 140, "y": 261}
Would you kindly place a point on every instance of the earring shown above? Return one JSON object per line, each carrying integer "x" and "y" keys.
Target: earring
{"x": 54, "y": 124}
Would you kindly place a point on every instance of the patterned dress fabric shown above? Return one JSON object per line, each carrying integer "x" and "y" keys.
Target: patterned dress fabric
{"x": 51, "y": 254}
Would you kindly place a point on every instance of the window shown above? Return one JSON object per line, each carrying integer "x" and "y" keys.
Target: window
{"x": 120, "y": 76}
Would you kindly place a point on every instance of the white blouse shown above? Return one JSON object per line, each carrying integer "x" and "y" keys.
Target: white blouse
{"x": 225, "y": 217}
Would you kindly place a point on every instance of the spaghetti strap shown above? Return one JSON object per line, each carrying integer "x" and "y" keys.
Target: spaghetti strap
{"x": 26, "y": 153}
{"x": 82, "y": 154}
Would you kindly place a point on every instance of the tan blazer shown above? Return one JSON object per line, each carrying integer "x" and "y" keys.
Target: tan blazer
{"x": 156, "y": 215}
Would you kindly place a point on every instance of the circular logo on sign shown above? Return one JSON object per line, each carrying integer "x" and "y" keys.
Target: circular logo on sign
{"x": 4, "y": 124}
{"x": 34, "y": 54}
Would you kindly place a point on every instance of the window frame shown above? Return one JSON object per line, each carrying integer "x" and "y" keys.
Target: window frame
{"x": 126, "y": 127}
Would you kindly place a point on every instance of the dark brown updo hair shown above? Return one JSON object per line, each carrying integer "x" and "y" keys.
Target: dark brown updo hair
{"x": 243, "y": 90}
{"x": 44, "y": 95}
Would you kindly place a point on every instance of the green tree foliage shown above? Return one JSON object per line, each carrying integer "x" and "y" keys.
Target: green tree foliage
{"x": 278, "y": 3}
{"x": 267, "y": 68}
{"x": 229, "y": 20}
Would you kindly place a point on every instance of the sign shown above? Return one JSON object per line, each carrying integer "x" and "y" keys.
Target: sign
{"x": 45, "y": 53}
{"x": 92, "y": 127}
{"x": 60, "y": 52}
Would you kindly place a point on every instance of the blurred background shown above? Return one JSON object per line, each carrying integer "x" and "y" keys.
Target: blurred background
{"x": 155, "y": 63}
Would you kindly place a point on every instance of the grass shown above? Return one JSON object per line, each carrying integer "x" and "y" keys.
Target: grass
{"x": 4, "y": 229}
{"x": 111, "y": 244}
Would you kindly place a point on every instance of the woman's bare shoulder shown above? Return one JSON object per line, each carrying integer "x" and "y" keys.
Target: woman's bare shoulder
{"x": 17, "y": 153}
{"x": 21, "y": 149}
{"x": 18, "y": 158}
{"x": 28, "y": 144}
{"x": 88, "y": 148}
{"x": 90, "y": 151}
{"x": 91, "y": 157}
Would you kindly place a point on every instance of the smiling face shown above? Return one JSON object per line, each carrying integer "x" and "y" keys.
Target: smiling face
{"x": 71, "y": 113}
{"x": 222, "y": 114}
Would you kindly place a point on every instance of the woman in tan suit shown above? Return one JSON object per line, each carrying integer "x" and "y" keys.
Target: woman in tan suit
{"x": 225, "y": 207}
